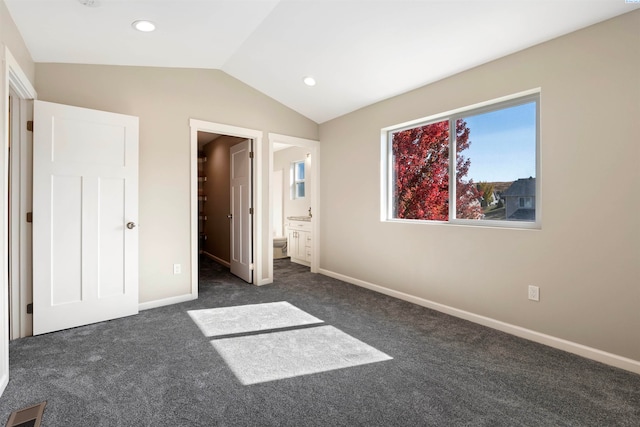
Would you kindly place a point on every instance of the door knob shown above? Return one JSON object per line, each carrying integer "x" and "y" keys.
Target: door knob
{"x": 131, "y": 225}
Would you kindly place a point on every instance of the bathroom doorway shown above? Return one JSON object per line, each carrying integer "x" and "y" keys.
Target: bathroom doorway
{"x": 294, "y": 201}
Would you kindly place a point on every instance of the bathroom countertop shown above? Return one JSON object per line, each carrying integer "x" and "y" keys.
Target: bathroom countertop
{"x": 299, "y": 218}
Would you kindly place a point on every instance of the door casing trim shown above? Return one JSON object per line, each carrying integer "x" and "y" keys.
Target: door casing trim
{"x": 257, "y": 136}
{"x": 15, "y": 79}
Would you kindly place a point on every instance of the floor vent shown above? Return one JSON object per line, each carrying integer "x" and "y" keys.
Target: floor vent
{"x": 27, "y": 417}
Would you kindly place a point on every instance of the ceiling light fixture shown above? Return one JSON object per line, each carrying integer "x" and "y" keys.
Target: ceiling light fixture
{"x": 309, "y": 81}
{"x": 144, "y": 26}
{"x": 89, "y": 3}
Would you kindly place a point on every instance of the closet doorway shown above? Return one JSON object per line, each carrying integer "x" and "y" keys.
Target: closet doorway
{"x": 224, "y": 194}
{"x": 224, "y": 222}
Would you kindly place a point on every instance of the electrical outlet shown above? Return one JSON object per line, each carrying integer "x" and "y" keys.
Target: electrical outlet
{"x": 177, "y": 269}
{"x": 534, "y": 293}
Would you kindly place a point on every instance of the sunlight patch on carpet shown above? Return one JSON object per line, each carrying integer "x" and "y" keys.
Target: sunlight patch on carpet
{"x": 215, "y": 322}
{"x": 278, "y": 355}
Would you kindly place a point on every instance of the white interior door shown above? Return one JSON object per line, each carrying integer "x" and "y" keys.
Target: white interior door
{"x": 240, "y": 218}
{"x": 85, "y": 206}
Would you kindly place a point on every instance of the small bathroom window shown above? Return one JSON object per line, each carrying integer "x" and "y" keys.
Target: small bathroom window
{"x": 298, "y": 176}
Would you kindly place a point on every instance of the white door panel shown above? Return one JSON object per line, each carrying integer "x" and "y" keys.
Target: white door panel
{"x": 85, "y": 191}
{"x": 241, "y": 227}
{"x": 112, "y": 242}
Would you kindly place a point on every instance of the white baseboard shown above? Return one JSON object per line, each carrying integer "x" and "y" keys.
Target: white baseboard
{"x": 301, "y": 262}
{"x": 166, "y": 301}
{"x": 4, "y": 380}
{"x": 559, "y": 343}
{"x": 216, "y": 259}
{"x": 262, "y": 282}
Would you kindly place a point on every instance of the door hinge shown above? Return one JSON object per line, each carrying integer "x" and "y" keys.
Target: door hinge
{"x": 30, "y": 125}
{"x": 251, "y": 266}
{"x": 251, "y": 154}
{"x": 250, "y": 211}
{"x": 30, "y": 308}
{"x": 29, "y": 216}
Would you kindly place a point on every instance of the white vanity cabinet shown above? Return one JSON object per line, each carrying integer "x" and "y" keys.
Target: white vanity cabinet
{"x": 299, "y": 241}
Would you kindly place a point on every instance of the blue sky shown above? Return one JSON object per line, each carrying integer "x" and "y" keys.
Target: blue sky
{"x": 503, "y": 144}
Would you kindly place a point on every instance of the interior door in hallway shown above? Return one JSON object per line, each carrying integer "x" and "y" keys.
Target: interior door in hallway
{"x": 240, "y": 217}
{"x": 85, "y": 208}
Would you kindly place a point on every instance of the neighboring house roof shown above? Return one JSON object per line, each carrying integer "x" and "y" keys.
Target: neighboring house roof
{"x": 523, "y": 187}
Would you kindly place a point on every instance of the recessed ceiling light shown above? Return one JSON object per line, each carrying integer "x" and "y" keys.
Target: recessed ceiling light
{"x": 309, "y": 81}
{"x": 144, "y": 26}
{"x": 89, "y": 3}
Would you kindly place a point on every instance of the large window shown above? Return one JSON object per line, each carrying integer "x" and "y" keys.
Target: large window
{"x": 490, "y": 179}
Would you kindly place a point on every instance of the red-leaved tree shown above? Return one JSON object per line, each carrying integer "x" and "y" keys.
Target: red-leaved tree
{"x": 421, "y": 166}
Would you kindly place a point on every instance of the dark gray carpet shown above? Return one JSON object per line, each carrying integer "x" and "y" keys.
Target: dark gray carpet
{"x": 158, "y": 369}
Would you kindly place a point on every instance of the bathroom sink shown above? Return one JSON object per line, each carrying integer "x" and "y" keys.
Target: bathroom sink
{"x": 299, "y": 218}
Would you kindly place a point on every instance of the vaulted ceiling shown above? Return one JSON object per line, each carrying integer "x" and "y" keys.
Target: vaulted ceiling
{"x": 359, "y": 51}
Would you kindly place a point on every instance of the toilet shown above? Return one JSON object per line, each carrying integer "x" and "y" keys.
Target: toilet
{"x": 279, "y": 247}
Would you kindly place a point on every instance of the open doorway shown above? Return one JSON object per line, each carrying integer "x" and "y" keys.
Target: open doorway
{"x": 224, "y": 199}
{"x": 218, "y": 225}
{"x": 291, "y": 204}
{"x": 294, "y": 201}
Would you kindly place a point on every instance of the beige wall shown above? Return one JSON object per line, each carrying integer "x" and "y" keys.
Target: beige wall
{"x": 165, "y": 99}
{"x": 282, "y": 160}
{"x": 218, "y": 191}
{"x": 586, "y": 257}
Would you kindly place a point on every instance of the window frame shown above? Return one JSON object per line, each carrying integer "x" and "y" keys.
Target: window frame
{"x": 387, "y": 176}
